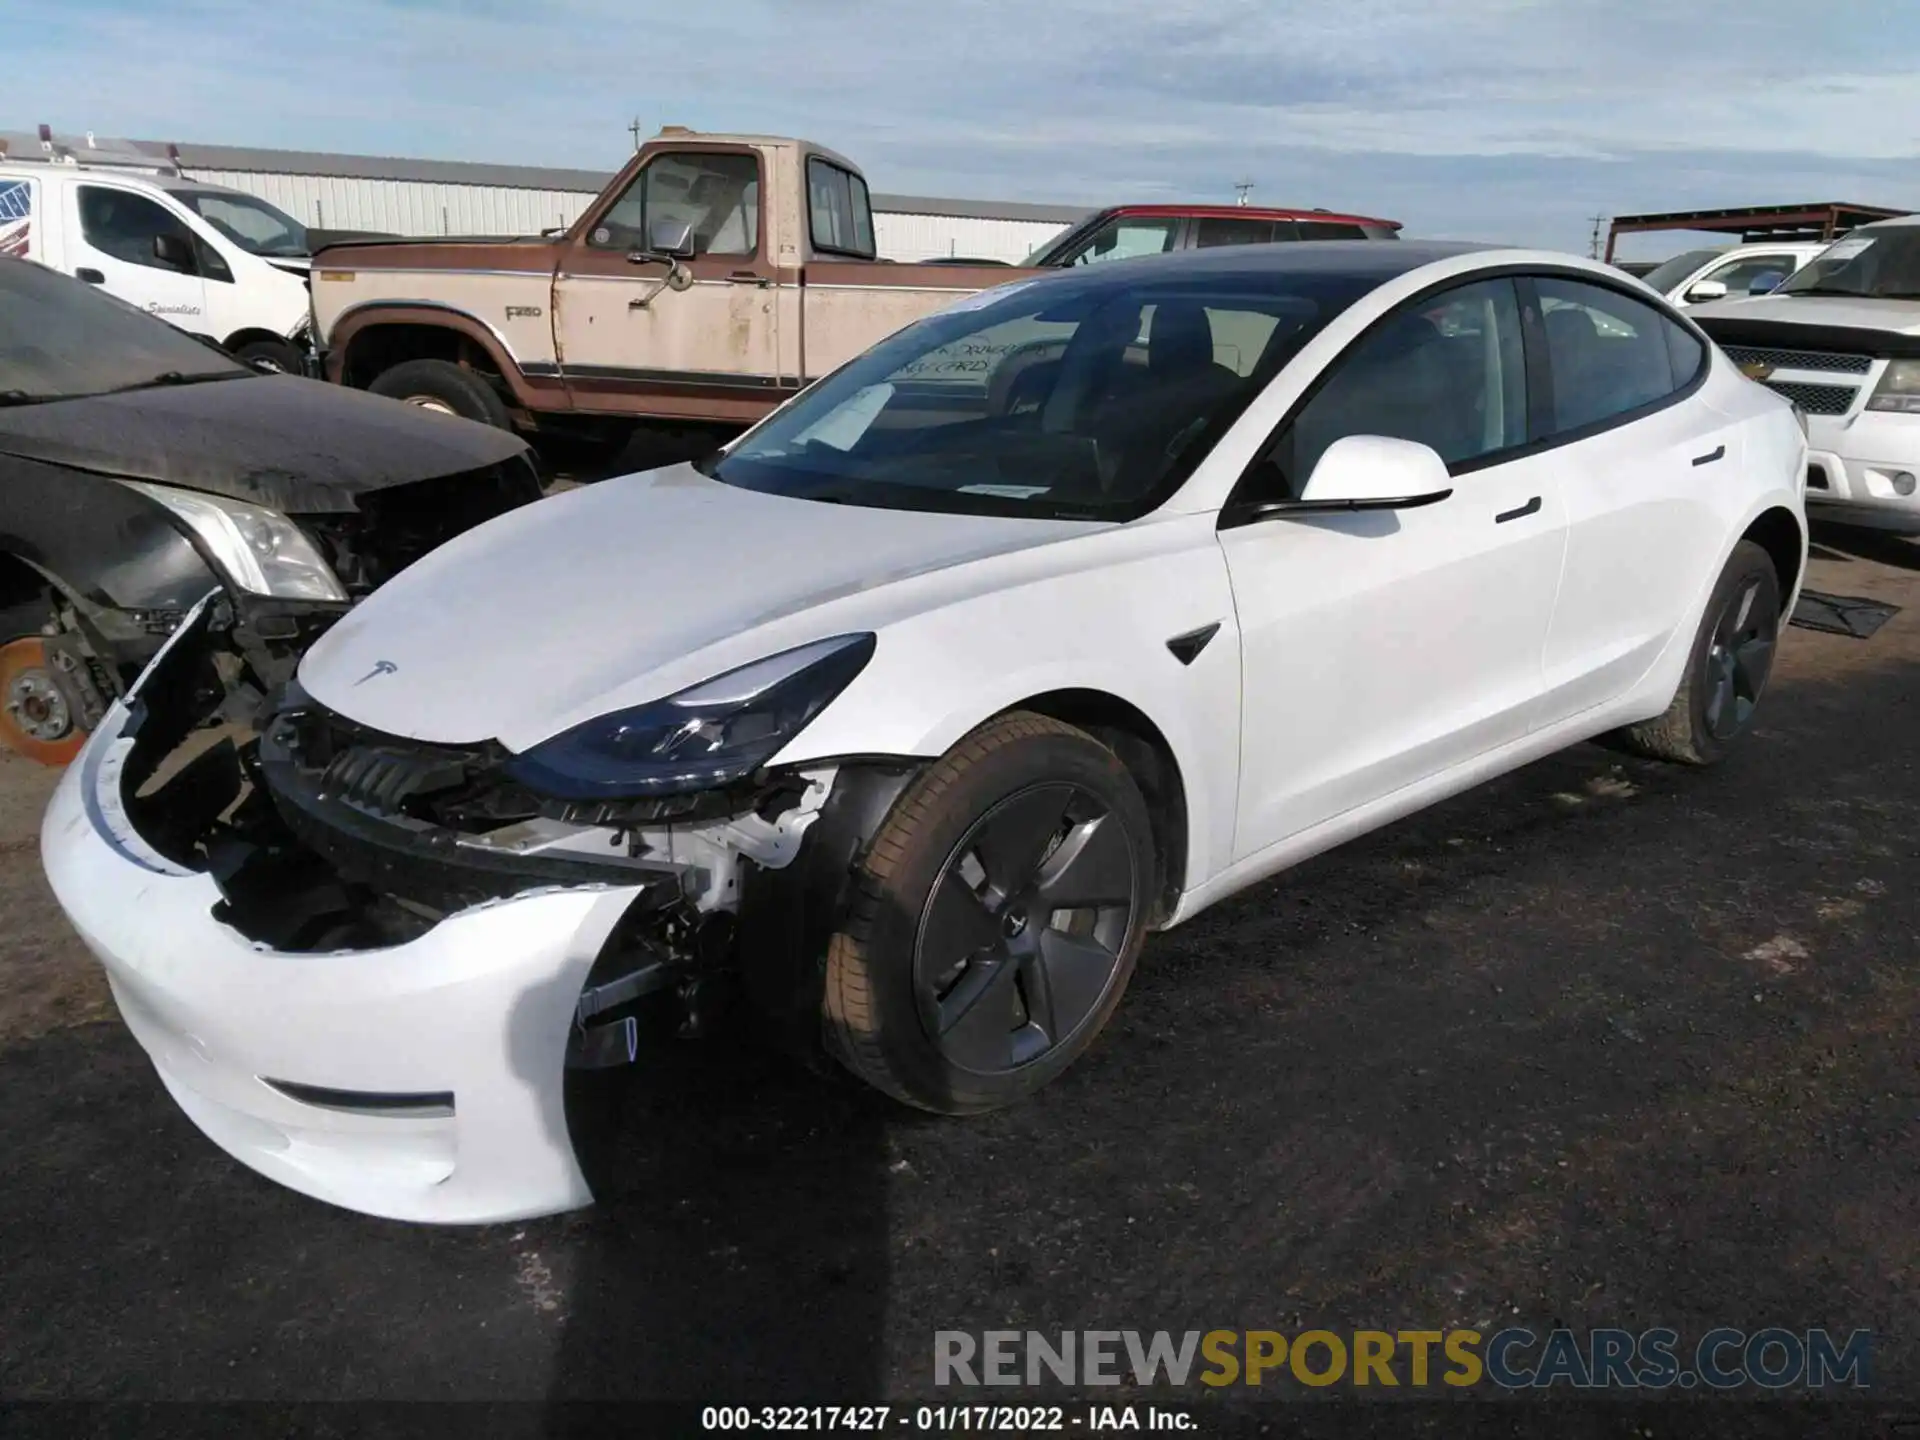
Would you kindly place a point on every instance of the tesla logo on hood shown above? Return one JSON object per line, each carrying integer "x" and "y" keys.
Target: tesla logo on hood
{"x": 380, "y": 667}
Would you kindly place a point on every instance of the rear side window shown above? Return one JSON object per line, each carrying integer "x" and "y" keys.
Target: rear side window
{"x": 122, "y": 225}
{"x": 1609, "y": 353}
{"x": 1331, "y": 230}
{"x": 842, "y": 216}
{"x": 1211, "y": 230}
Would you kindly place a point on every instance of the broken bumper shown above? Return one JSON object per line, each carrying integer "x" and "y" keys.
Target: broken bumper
{"x": 422, "y": 1081}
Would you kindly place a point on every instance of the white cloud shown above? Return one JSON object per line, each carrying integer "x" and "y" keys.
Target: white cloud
{"x": 1498, "y": 117}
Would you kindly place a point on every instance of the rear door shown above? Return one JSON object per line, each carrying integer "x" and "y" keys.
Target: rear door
{"x": 1637, "y": 460}
{"x": 111, "y": 231}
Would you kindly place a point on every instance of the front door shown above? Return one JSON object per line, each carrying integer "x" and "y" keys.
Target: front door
{"x": 637, "y": 333}
{"x": 1381, "y": 648}
{"x": 114, "y": 231}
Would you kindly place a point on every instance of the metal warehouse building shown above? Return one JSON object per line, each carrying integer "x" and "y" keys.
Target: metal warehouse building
{"x": 453, "y": 197}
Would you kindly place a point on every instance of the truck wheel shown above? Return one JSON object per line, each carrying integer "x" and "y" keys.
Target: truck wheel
{"x": 36, "y": 722}
{"x": 442, "y": 386}
{"x": 998, "y": 915}
{"x": 276, "y": 355}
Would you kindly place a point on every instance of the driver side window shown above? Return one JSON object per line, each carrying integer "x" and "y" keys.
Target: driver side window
{"x": 1448, "y": 371}
{"x": 716, "y": 194}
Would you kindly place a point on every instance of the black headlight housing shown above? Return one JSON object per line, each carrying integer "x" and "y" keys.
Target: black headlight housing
{"x": 716, "y": 733}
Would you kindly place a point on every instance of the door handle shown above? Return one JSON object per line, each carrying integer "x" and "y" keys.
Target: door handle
{"x": 1712, "y": 455}
{"x": 1530, "y": 508}
{"x": 90, "y": 275}
{"x": 748, "y": 277}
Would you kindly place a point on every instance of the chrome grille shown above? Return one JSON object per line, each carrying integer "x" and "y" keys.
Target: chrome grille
{"x": 1799, "y": 359}
{"x": 1816, "y": 399}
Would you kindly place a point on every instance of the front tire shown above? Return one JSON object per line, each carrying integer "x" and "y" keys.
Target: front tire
{"x": 279, "y": 356}
{"x": 1727, "y": 669}
{"x": 445, "y": 388}
{"x": 997, "y": 918}
{"x": 36, "y": 721}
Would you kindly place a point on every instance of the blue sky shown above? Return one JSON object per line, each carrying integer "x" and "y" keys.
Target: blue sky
{"x": 1510, "y": 120}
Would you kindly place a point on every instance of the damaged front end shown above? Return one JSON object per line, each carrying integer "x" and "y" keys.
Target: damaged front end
{"x": 323, "y": 836}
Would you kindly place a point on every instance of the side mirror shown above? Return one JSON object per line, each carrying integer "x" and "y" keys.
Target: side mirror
{"x": 1766, "y": 282}
{"x": 174, "y": 252}
{"x": 1376, "y": 472}
{"x": 1706, "y": 290}
{"x": 672, "y": 238}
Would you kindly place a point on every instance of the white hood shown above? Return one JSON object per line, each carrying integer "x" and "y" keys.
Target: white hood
{"x": 1900, "y": 317}
{"x": 623, "y": 592}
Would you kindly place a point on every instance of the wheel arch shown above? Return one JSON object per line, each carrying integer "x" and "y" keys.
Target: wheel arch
{"x": 379, "y": 335}
{"x": 1148, "y": 757}
{"x": 21, "y": 581}
{"x": 1778, "y": 531}
{"x": 248, "y": 334}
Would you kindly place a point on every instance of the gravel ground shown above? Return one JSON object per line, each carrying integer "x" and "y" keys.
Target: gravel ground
{"x": 1603, "y": 1043}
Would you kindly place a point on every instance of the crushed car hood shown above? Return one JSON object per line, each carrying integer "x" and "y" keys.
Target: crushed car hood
{"x": 622, "y": 592}
{"x": 296, "y": 445}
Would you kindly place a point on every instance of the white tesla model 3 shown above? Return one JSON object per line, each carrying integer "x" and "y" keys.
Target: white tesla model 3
{"x": 1043, "y": 625}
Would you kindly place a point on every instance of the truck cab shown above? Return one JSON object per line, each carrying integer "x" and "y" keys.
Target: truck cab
{"x": 218, "y": 263}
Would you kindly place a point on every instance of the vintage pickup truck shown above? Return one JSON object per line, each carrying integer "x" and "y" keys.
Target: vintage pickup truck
{"x": 711, "y": 279}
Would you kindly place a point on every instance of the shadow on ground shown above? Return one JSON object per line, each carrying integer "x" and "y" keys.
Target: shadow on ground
{"x": 1602, "y": 1043}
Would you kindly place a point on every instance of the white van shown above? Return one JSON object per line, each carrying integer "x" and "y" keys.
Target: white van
{"x": 216, "y": 262}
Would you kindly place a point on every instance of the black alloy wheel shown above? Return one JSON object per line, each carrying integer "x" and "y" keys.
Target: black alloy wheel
{"x": 1022, "y": 936}
{"x": 1739, "y": 659}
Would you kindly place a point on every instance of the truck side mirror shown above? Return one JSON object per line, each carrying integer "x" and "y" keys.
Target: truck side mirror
{"x": 673, "y": 238}
{"x": 174, "y": 252}
{"x": 1707, "y": 290}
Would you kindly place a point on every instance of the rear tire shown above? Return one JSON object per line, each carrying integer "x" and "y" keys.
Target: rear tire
{"x": 1727, "y": 668}
{"x": 445, "y": 388}
{"x": 36, "y": 722}
{"x": 962, "y": 979}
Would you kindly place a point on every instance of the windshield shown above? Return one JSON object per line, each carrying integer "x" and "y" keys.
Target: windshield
{"x": 61, "y": 338}
{"x": 1087, "y": 396}
{"x": 1874, "y": 263}
{"x": 1664, "y": 276}
{"x": 253, "y": 225}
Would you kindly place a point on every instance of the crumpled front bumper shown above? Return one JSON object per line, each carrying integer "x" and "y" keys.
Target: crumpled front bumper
{"x": 422, "y": 1081}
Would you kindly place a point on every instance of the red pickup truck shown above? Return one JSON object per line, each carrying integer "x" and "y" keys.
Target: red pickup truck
{"x": 1122, "y": 232}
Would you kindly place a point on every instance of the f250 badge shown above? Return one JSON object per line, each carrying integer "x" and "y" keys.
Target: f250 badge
{"x": 523, "y": 312}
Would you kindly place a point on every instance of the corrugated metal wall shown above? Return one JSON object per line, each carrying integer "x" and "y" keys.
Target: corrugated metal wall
{"x": 406, "y": 207}
{"x": 930, "y": 237}
{"x": 412, "y": 207}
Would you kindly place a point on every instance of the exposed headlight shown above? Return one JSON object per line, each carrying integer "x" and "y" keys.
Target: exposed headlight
{"x": 1899, "y": 388}
{"x": 258, "y": 549}
{"x": 720, "y": 731}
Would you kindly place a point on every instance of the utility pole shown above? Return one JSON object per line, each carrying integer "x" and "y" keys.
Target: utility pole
{"x": 1242, "y": 191}
{"x": 633, "y": 129}
{"x": 1593, "y": 245}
